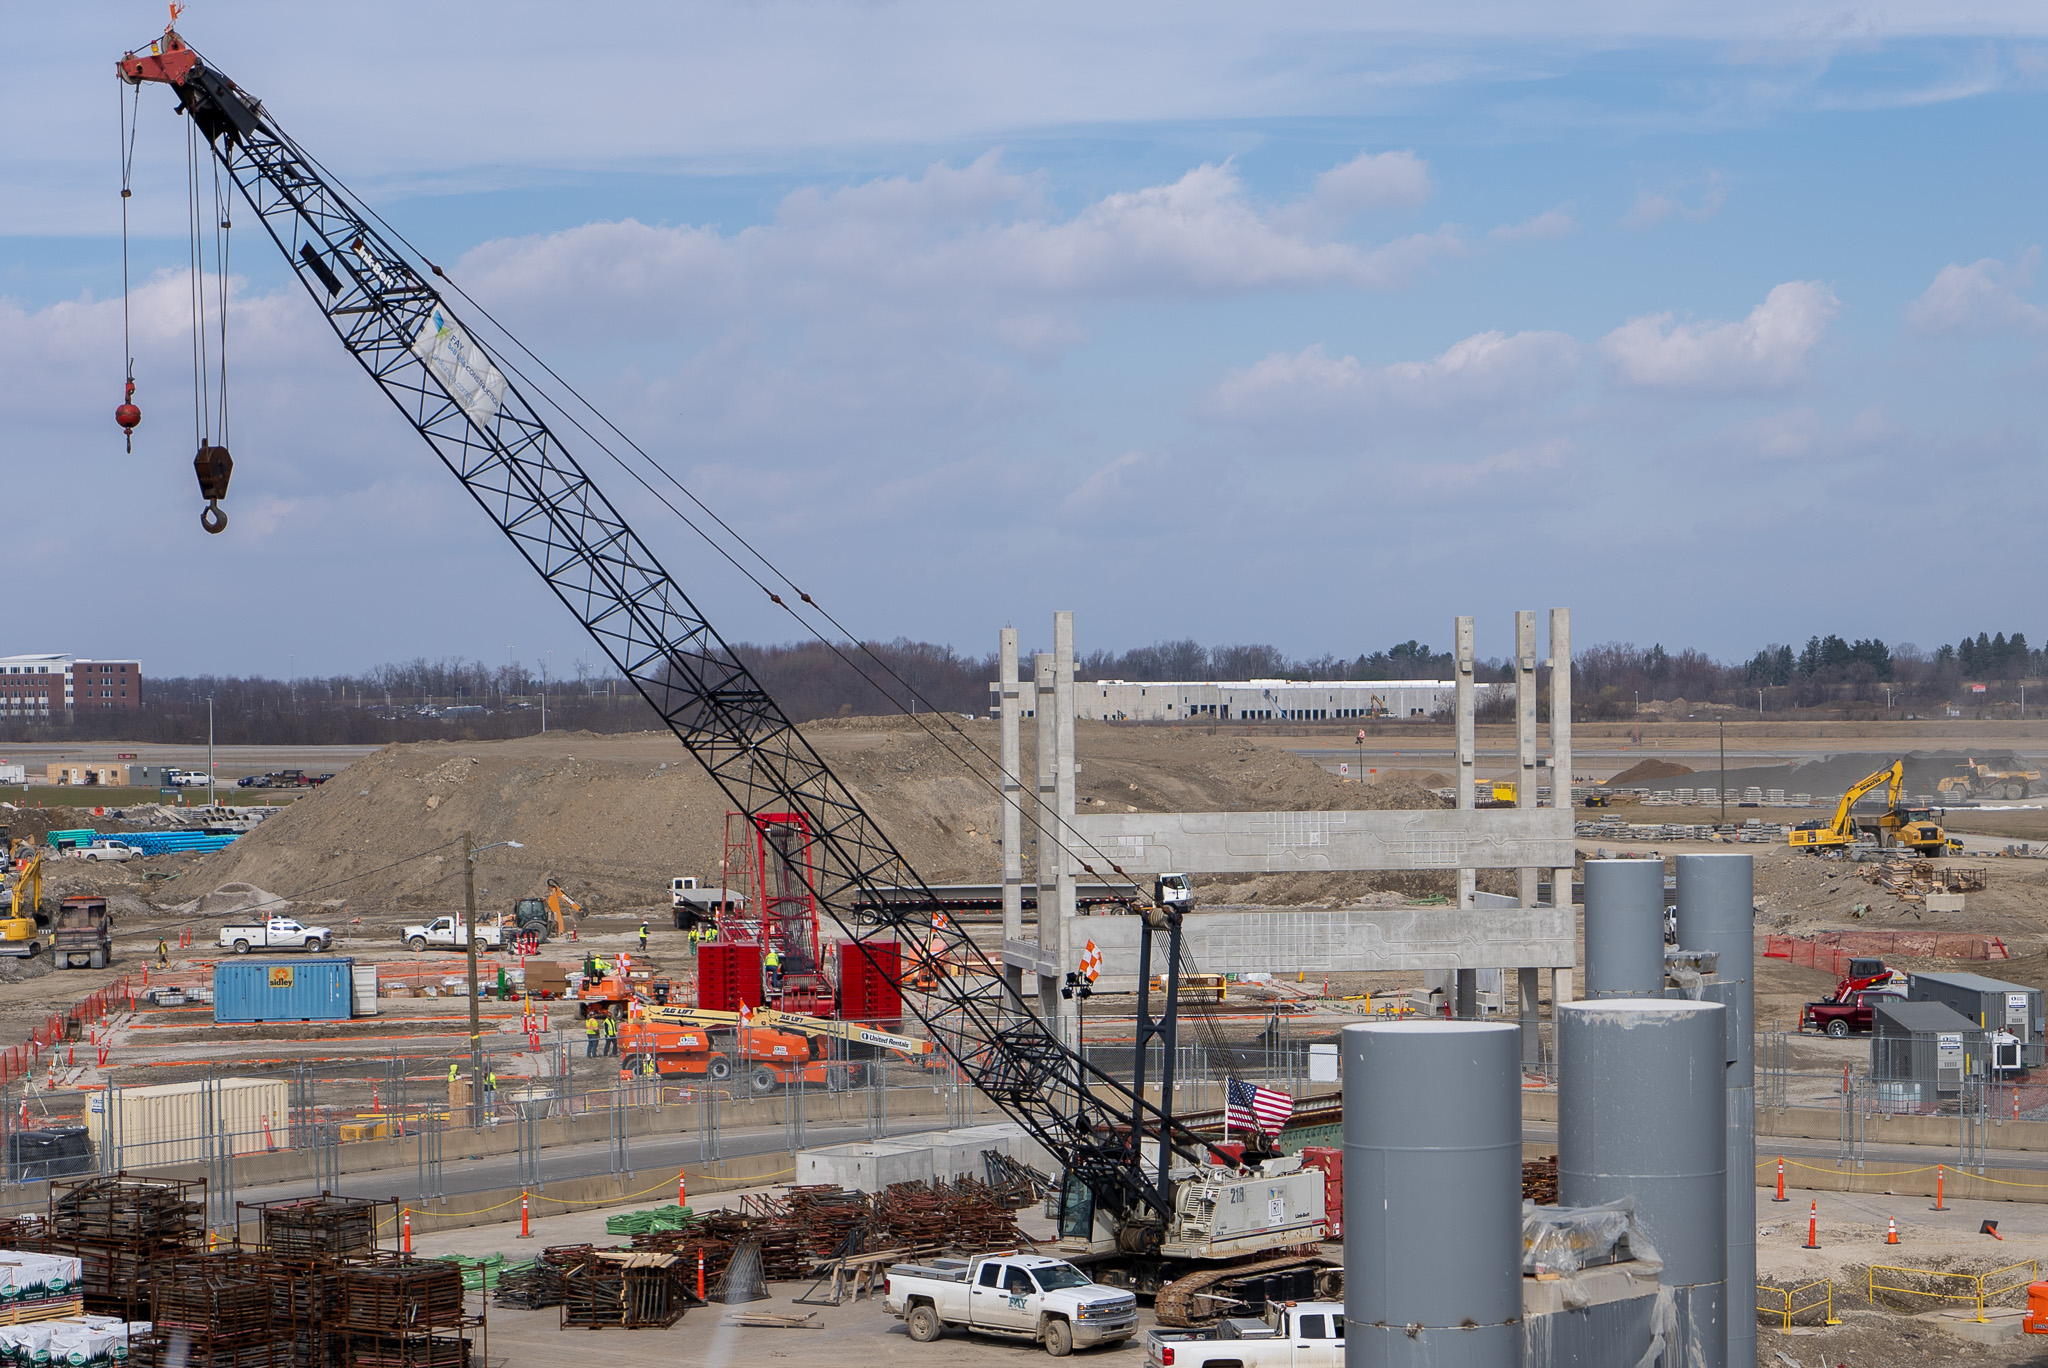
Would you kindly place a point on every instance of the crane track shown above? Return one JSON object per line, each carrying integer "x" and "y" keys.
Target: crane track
{"x": 1175, "y": 1304}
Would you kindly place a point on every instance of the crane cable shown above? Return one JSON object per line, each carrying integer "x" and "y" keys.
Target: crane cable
{"x": 130, "y": 117}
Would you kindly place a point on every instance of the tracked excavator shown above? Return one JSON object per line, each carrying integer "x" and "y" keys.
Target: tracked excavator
{"x": 20, "y": 932}
{"x": 1162, "y": 1209}
{"x": 1911, "y": 827}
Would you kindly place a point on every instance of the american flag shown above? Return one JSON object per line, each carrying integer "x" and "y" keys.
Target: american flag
{"x": 1249, "y": 1107}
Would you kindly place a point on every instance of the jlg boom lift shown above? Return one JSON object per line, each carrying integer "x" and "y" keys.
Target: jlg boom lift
{"x": 1146, "y": 1185}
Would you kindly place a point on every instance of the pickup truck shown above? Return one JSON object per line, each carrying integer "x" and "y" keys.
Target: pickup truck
{"x": 1840, "y": 1019}
{"x": 277, "y": 933}
{"x": 1027, "y": 1296}
{"x": 186, "y": 779}
{"x": 108, "y": 850}
{"x": 1294, "y": 1335}
{"x": 452, "y": 931}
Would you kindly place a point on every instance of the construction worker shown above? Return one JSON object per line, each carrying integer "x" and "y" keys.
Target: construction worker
{"x": 643, "y": 935}
{"x": 163, "y": 954}
{"x": 590, "y": 1037}
{"x": 611, "y": 1035}
{"x": 491, "y": 1088}
{"x": 774, "y": 964}
{"x": 451, "y": 1075}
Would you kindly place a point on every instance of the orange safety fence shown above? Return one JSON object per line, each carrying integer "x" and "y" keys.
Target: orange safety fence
{"x": 1832, "y": 950}
{"x": 20, "y": 1060}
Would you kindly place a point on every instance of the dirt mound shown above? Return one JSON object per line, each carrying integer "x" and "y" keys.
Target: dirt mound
{"x": 616, "y": 817}
{"x": 1643, "y": 771}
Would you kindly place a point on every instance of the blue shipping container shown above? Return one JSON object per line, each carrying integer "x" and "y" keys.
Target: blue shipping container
{"x": 302, "y": 988}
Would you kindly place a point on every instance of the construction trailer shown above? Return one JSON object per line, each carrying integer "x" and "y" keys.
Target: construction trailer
{"x": 1921, "y": 1052}
{"x": 1992, "y": 1005}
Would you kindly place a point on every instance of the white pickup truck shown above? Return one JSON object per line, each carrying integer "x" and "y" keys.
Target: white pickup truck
{"x": 278, "y": 933}
{"x": 1027, "y": 1296}
{"x": 1306, "y": 1334}
{"x": 108, "y": 850}
{"x": 452, "y": 931}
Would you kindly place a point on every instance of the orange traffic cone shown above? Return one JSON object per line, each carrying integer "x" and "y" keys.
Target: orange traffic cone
{"x": 1891, "y": 1231}
{"x": 1781, "y": 1180}
{"x": 1813, "y": 1226}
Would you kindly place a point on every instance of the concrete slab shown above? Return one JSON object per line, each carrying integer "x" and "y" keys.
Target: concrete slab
{"x": 1999, "y": 1326}
{"x": 1284, "y": 842}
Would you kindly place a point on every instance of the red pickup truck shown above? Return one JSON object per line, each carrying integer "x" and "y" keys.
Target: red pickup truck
{"x": 1840, "y": 1019}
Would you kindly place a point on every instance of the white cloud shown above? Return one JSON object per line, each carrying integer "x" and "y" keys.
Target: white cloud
{"x": 1486, "y": 368}
{"x": 1372, "y": 180}
{"x": 1551, "y": 223}
{"x": 1985, "y": 296}
{"x": 1653, "y": 207}
{"x": 1766, "y": 351}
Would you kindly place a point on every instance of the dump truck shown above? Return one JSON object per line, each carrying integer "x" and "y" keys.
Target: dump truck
{"x": 84, "y": 934}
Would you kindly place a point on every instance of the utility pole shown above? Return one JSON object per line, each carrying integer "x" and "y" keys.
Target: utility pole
{"x": 1724, "y": 772}
{"x": 212, "y": 799}
{"x": 476, "y": 1029}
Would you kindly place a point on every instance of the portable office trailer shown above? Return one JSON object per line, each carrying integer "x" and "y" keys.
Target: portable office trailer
{"x": 1993, "y": 1004}
{"x": 302, "y": 988}
{"x": 1922, "y": 1051}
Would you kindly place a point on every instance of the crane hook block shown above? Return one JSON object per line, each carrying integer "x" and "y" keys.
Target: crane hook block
{"x": 213, "y": 465}
{"x": 127, "y": 415}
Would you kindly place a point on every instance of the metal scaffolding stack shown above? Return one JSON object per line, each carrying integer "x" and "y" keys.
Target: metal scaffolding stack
{"x": 123, "y": 1230}
{"x": 405, "y": 1313}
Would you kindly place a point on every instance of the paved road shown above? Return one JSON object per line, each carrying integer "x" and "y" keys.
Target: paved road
{"x": 1875, "y": 1155}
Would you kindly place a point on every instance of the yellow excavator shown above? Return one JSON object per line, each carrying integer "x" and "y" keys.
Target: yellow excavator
{"x": 1914, "y": 828}
{"x": 18, "y": 934}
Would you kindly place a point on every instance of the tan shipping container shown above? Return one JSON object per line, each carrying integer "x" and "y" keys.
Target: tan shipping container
{"x": 166, "y": 1124}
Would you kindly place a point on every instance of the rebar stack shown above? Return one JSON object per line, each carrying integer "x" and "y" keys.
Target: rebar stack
{"x": 216, "y": 1312}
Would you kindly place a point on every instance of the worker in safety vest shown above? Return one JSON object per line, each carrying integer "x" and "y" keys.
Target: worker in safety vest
{"x": 611, "y": 1035}
{"x": 491, "y": 1088}
{"x": 451, "y": 1074}
{"x": 590, "y": 1037}
{"x": 774, "y": 963}
{"x": 643, "y": 935}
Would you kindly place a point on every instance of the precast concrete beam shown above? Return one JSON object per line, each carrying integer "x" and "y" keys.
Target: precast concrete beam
{"x": 1350, "y": 940}
{"x": 1316, "y": 842}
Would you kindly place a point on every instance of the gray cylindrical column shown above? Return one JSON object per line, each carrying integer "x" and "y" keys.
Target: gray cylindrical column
{"x": 1717, "y": 911}
{"x": 1624, "y": 928}
{"x": 1641, "y": 1114}
{"x": 1433, "y": 1143}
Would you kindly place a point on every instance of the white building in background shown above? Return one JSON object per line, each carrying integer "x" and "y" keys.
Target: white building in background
{"x": 1267, "y": 700}
{"x": 35, "y": 685}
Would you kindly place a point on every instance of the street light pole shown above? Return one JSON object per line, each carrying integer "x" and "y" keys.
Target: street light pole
{"x": 476, "y": 1030}
{"x": 470, "y": 850}
{"x": 212, "y": 798}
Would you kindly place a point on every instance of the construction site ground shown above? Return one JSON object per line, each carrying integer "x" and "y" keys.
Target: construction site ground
{"x": 615, "y": 817}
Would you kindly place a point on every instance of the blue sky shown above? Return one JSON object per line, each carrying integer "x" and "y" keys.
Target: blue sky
{"x": 1315, "y": 330}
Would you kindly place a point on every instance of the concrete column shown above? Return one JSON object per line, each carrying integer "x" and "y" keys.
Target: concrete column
{"x": 1013, "y": 800}
{"x": 1465, "y": 983}
{"x": 1624, "y": 928}
{"x": 1063, "y": 796}
{"x": 1560, "y": 777}
{"x": 1045, "y": 822}
{"x": 1525, "y": 797}
{"x": 1641, "y": 1115}
{"x": 1717, "y": 912}
{"x": 1432, "y": 1205}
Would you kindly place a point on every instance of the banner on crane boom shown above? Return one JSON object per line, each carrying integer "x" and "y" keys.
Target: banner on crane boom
{"x": 460, "y": 365}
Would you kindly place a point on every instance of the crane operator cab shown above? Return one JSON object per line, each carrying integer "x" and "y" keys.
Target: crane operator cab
{"x": 1173, "y": 893}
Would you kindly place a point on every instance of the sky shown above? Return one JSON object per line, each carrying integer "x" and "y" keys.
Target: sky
{"x": 1314, "y": 325}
